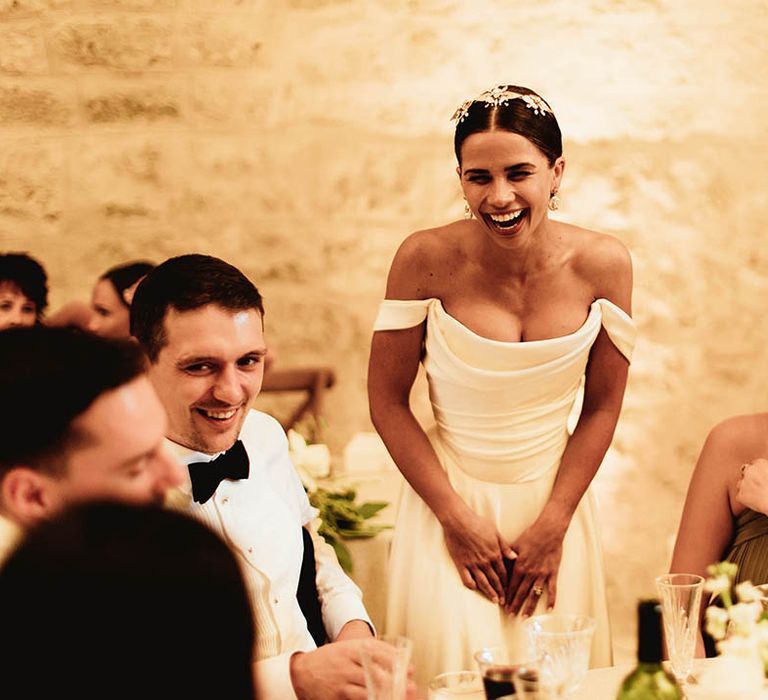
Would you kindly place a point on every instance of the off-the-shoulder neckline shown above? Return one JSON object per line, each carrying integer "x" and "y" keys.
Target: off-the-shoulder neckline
{"x": 592, "y": 309}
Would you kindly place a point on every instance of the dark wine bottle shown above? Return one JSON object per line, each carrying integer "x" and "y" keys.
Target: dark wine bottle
{"x": 649, "y": 680}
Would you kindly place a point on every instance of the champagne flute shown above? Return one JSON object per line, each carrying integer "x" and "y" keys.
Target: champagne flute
{"x": 680, "y": 607}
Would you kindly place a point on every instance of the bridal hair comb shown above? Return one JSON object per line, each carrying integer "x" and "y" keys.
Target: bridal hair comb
{"x": 500, "y": 96}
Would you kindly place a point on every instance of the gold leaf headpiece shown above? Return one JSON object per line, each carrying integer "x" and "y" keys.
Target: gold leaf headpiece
{"x": 500, "y": 96}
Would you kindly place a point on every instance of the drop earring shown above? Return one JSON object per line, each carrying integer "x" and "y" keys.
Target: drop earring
{"x": 554, "y": 201}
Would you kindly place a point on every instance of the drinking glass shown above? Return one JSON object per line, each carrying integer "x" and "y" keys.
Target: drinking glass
{"x": 529, "y": 685}
{"x": 386, "y": 666}
{"x": 560, "y": 646}
{"x": 680, "y": 605}
{"x": 457, "y": 685}
{"x": 496, "y": 666}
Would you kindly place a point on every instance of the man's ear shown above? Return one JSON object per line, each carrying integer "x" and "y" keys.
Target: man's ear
{"x": 27, "y": 495}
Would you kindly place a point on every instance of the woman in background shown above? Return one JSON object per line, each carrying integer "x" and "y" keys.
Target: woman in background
{"x": 109, "y": 312}
{"x": 508, "y": 311}
{"x": 23, "y": 290}
{"x": 724, "y": 514}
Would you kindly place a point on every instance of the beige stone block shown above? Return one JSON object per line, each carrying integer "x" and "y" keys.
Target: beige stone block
{"x": 33, "y": 179}
{"x": 126, "y": 176}
{"x": 228, "y": 177}
{"x": 36, "y": 103}
{"x": 340, "y": 171}
{"x": 131, "y": 101}
{"x": 23, "y": 50}
{"x": 226, "y": 5}
{"x": 118, "y": 42}
{"x": 20, "y": 8}
{"x": 226, "y": 40}
{"x": 243, "y": 100}
{"x": 128, "y": 4}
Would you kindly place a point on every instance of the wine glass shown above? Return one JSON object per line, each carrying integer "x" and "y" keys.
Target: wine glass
{"x": 680, "y": 606}
{"x": 560, "y": 646}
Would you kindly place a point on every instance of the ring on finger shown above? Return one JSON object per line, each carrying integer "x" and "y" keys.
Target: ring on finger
{"x": 537, "y": 590}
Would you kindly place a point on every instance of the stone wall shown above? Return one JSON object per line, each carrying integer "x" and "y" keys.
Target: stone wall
{"x": 302, "y": 140}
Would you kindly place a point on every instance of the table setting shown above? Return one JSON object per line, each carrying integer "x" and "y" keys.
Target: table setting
{"x": 556, "y": 667}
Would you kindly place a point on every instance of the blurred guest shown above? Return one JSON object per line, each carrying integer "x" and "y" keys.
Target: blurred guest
{"x": 201, "y": 323}
{"x": 81, "y": 422}
{"x": 111, "y": 601}
{"x": 509, "y": 312}
{"x": 723, "y": 517}
{"x": 23, "y": 290}
{"x": 109, "y": 312}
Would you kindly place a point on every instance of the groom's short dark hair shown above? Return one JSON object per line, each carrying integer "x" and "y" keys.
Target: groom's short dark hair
{"x": 185, "y": 283}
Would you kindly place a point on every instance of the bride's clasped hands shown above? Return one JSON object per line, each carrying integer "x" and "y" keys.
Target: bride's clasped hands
{"x": 478, "y": 550}
{"x": 534, "y": 576}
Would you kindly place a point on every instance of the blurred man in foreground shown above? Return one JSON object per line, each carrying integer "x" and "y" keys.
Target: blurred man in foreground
{"x": 81, "y": 422}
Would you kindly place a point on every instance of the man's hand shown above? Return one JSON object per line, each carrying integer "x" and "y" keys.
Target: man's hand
{"x": 333, "y": 672}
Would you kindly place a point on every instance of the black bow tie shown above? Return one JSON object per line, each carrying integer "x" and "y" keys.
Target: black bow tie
{"x": 206, "y": 476}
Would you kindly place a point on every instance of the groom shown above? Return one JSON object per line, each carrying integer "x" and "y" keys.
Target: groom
{"x": 200, "y": 323}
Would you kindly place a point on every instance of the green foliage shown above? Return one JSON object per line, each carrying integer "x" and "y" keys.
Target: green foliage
{"x": 342, "y": 518}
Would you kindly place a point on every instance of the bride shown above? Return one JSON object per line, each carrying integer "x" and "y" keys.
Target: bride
{"x": 508, "y": 311}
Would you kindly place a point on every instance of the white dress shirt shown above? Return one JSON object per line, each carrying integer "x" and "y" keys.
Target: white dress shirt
{"x": 261, "y": 518}
{"x": 10, "y": 536}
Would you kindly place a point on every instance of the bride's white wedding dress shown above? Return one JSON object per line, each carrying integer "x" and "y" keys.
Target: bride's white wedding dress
{"x": 501, "y": 412}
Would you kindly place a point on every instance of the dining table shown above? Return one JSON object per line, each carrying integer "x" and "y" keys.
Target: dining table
{"x": 373, "y": 475}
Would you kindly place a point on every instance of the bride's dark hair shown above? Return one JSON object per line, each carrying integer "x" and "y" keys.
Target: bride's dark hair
{"x": 541, "y": 129}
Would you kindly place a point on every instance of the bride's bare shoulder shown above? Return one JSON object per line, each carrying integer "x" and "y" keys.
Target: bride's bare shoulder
{"x": 420, "y": 262}
{"x": 604, "y": 261}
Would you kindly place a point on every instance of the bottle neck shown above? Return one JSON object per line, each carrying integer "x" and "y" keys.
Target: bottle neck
{"x": 649, "y": 633}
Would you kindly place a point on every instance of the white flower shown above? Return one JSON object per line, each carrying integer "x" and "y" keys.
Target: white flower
{"x": 296, "y": 442}
{"x": 723, "y": 568}
{"x": 744, "y": 617}
{"x": 730, "y": 673}
{"x": 717, "y": 621}
{"x": 717, "y": 585}
{"x": 747, "y": 593}
{"x": 739, "y": 645}
{"x": 311, "y": 461}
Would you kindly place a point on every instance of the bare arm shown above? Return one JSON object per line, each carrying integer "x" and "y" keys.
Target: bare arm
{"x": 474, "y": 543}
{"x": 706, "y": 526}
{"x": 539, "y": 547}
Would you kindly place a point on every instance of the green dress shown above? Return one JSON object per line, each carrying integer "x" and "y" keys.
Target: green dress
{"x": 749, "y": 547}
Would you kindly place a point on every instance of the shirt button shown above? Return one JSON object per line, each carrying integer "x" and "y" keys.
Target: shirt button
{"x": 225, "y": 500}
{"x": 250, "y": 550}
{"x": 275, "y": 601}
